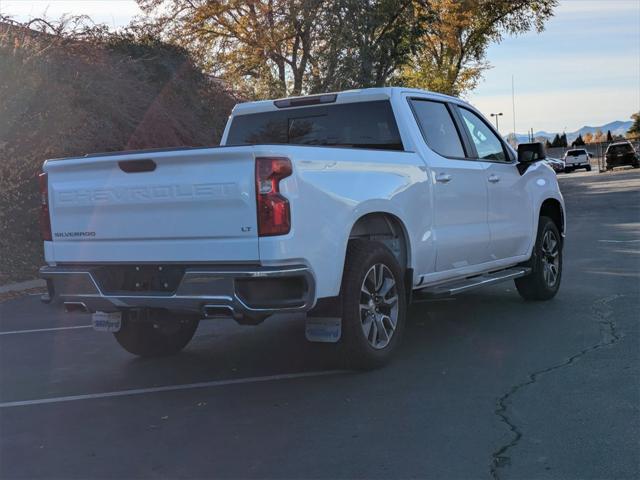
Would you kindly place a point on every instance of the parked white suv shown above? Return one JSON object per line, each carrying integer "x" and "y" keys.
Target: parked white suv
{"x": 344, "y": 206}
{"x": 576, "y": 158}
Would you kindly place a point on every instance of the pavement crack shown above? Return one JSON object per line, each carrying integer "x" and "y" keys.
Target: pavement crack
{"x": 610, "y": 334}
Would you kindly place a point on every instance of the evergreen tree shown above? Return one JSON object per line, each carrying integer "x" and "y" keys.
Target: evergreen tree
{"x": 609, "y": 136}
{"x": 563, "y": 140}
{"x": 578, "y": 142}
{"x": 556, "y": 141}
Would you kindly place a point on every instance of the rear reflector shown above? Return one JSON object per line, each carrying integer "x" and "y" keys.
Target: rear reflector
{"x": 45, "y": 219}
{"x": 274, "y": 215}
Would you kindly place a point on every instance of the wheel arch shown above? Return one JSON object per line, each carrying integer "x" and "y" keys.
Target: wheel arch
{"x": 552, "y": 208}
{"x": 381, "y": 226}
{"x": 386, "y": 228}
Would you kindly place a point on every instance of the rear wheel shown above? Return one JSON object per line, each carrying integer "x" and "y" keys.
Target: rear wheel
{"x": 154, "y": 333}
{"x": 546, "y": 263}
{"x": 373, "y": 305}
{"x": 588, "y": 168}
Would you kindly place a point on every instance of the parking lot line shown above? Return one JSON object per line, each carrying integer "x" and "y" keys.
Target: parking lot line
{"x": 619, "y": 241}
{"x": 171, "y": 388}
{"x": 36, "y": 330}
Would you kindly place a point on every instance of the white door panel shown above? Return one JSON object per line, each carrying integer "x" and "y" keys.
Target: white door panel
{"x": 460, "y": 198}
{"x": 510, "y": 211}
{"x": 460, "y": 213}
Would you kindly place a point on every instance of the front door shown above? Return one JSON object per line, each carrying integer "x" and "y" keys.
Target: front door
{"x": 510, "y": 214}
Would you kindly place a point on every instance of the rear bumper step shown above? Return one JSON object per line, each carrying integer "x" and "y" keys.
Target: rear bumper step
{"x": 251, "y": 292}
{"x": 459, "y": 286}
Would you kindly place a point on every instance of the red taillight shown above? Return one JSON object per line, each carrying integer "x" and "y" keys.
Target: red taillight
{"x": 274, "y": 215}
{"x": 45, "y": 220}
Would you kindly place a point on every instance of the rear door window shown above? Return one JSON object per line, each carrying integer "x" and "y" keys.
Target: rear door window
{"x": 438, "y": 128}
{"x": 355, "y": 125}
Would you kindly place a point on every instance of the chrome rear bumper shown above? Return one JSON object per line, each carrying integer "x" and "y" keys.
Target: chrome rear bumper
{"x": 241, "y": 292}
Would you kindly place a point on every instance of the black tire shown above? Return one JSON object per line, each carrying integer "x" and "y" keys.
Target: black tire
{"x": 155, "y": 333}
{"x": 538, "y": 285}
{"x": 359, "y": 349}
{"x": 588, "y": 168}
{"x": 567, "y": 170}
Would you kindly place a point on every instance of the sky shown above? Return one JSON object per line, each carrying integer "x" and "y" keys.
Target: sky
{"x": 583, "y": 69}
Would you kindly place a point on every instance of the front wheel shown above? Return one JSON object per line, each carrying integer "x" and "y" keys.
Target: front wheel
{"x": 155, "y": 333}
{"x": 588, "y": 168}
{"x": 373, "y": 305}
{"x": 546, "y": 263}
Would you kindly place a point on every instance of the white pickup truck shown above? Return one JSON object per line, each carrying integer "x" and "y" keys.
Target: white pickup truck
{"x": 345, "y": 206}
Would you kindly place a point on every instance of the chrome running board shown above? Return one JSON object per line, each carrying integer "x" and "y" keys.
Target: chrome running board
{"x": 465, "y": 284}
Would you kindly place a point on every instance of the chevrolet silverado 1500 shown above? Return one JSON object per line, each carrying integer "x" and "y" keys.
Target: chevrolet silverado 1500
{"x": 342, "y": 206}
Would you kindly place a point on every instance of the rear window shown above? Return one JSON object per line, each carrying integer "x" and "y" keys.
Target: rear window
{"x": 352, "y": 125}
{"x": 576, "y": 153}
{"x": 624, "y": 148}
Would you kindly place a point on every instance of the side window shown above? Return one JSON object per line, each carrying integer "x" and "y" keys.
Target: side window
{"x": 487, "y": 144}
{"x": 438, "y": 128}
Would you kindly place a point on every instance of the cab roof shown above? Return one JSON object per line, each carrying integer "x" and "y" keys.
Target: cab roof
{"x": 347, "y": 96}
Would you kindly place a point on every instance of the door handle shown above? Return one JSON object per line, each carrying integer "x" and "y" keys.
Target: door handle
{"x": 443, "y": 178}
{"x": 494, "y": 178}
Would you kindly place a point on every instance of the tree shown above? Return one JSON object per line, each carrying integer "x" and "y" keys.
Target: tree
{"x": 363, "y": 43}
{"x": 556, "y": 141}
{"x": 563, "y": 140}
{"x": 456, "y": 34}
{"x": 634, "y": 130}
{"x": 609, "y": 136}
{"x": 547, "y": 143}
{"x": 588, "y": 137}
{"x": 578, "y": 142}
{"x": 262, "y": 46}
{"x": 270, "y": 48}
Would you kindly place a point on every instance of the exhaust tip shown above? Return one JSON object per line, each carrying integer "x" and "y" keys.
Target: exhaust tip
{"x": 71, "y": 307}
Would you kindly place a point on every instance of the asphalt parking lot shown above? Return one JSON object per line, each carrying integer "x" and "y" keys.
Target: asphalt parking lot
{"x": 485, "y": 385}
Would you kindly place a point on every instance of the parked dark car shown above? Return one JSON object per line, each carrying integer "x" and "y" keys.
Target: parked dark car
{"x": 621, "y": 153}
{"x": 556, "y": 163}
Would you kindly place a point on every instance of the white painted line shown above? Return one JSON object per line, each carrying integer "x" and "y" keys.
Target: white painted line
{"x": 619, "y": 241}
{"x": 171, "y": 388}
{"x": 36, "y": 330}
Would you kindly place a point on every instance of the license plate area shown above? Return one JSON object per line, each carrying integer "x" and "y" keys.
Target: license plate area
{"x": 138, "y": 279}
{"x": 106, "y": 322}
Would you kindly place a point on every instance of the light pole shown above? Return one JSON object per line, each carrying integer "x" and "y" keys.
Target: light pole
{"x": 497, "y": 115}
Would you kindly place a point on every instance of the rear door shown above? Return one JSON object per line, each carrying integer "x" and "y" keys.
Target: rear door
{"x": 510, "y": 214}
{"x": 191, "y": 205}
{"x": 460, "y": 227}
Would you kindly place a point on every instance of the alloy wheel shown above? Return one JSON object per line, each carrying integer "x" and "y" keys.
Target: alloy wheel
{"x": 379, "y": 306}
{"x": 550, "y": 258}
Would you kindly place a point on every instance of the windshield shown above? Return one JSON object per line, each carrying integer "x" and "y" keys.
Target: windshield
{"x": 355, "y": 125}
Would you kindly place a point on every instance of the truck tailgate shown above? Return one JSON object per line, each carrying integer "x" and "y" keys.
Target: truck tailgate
{"x": 188, "y": 205}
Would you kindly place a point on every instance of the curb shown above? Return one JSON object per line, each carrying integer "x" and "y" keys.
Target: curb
{"x": 22, "y": 286}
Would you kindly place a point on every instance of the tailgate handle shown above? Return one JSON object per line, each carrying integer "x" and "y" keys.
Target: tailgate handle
{"x": 137, "y": 166}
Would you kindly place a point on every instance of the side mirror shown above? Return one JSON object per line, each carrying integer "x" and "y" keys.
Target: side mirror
{"x": 531, "y": 152}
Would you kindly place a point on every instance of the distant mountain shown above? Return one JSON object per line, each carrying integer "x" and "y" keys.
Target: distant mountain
{"x": 617, "y": 127}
